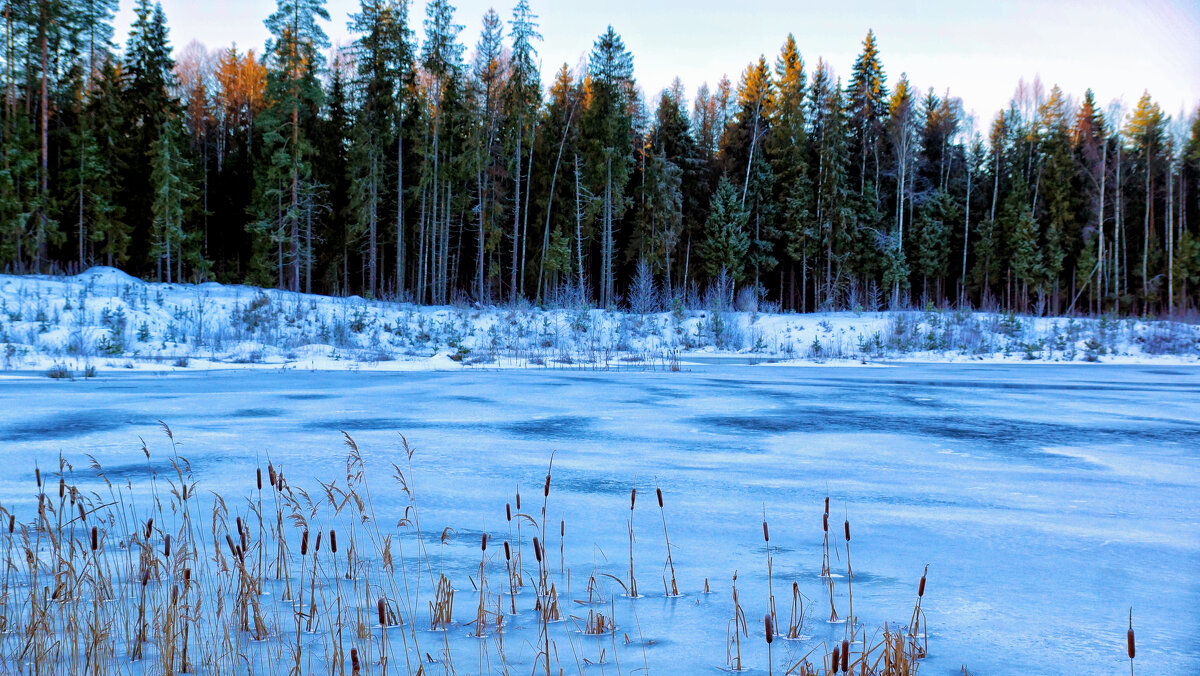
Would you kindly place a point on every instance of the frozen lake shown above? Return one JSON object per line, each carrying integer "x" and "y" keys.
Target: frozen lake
{"x": 1046, "y": 499}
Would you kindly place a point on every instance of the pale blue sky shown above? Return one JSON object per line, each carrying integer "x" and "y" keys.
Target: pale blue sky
{"x": 978, "y": 50}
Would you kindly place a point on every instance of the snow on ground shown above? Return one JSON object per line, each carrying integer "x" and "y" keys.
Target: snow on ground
{"x": 104, "y": 319}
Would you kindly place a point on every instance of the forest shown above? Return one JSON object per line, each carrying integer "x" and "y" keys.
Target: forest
{"x": 412, "y": 166}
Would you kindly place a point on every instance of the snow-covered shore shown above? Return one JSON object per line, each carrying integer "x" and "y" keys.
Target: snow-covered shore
{"x": 104, "y": 319}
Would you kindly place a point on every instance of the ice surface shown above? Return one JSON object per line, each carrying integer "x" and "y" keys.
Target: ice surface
{"x": 1046, "y": 499}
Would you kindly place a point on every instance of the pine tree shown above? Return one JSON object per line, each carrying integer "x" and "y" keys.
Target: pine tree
{"x": 171, "y": 191}
{"x": 384, "y": 60}
{"x": 295, "y": 96}
{"x": 606, "y": 129}
{"x": 867, "y": 103}
{"x": 788, "y": 151}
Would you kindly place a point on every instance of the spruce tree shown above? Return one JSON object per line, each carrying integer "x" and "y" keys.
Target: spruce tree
{"x": 725, "y": 241}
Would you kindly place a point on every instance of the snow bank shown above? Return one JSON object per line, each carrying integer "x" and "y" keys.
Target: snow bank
{"x": 106, "y": 319}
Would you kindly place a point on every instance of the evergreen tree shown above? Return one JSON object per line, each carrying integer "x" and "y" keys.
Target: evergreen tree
{"x": 294, "y": 92}
{"x": 726, "y": 242}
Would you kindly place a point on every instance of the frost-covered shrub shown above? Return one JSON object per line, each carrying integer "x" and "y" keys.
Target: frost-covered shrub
{"x": 1167, "y": 338}
{"x": 643, "y": 292}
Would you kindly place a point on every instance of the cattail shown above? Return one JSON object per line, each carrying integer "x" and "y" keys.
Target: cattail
{"x": 62, "y": 489}
{"x": 537, "y": 550}
{"x": 174, "y": 593}
{"x": 508, "y": 511}
{"x": 12, "y": 520}
{"x": 483, "y": 544}
{"x": 518, "y": 501}
{"x": 239, "y": 526}
{"x": 1129, "y": 640}
{"x": 845, "y": 656}
{"x": 770, "y": 629}
{"x": 74, "y": 494}
{"x": 37, "y": 473}
{"x": 382, "y": 607}
{"x": 185, "y": 493}
{"x": 167, "y": 546}
{"x": 258, "y": 476}
{"x": 354, "y": 661}
{"x": 847, "y": 530}
{"x": 546, "y": 490}
{"x": 632, "y": 498}
{"x": 304, "y": 543}
{"x": 837, "y": 658}
{"x": 659, "y": 492}
{"x": 145, "y": 577}
{"x": 766, "y": 534}
{"x": 232, "y": 547}
{"x": 921, "y": 588}
{"x": 187, "y": 575}
{"x": 317, "y": 546}
{"x": 82, "y": 514}
{"x": 826, "y": 505}
{"x": 507, "y": 552}
{"x": 149, "y": 528}
{"x": 333, "y": 541}
{"x": 562, "y": 529}
{"x": 95, "y": 537}
{"x": 271, "y": 473}
{"x": 825, "y": 522}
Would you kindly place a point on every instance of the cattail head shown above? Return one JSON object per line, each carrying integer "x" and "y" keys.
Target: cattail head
{"x": 845, "y": 656}
{"x": 546, "y": 490}
{"x": 508, "y": 511}
{"x": 333, "y": 541}
{"x": 317, "y": 546}
{"x": 82, "y": 514}
{"x": 271, "y": 476}
{"x": 232, "y": 547}
{"x": 185, "y": 492}
{"x": 62, "y": 489}
{"x": 167, "y": 546}
{"x": 95, "y": 538}
{"x": 382, "y": 608}
{"x": 145, "y": 577}
{"x": 921, "y": 588}
{"x": 507, "y": 552}
{"x": 304, "y": 543}
{"x": 518, "y": 501}
{"x": 483, "y": 543}
{"x": 847, "y": 530}
{"x": 12, "y": 520}
{"x": 354, "y": 661}
{"x": 632, "y": 498}
{"x": 258, "y": 477}
{"x": 149, "y": 528}
{"x": 562, "y": 529}
{"x": 826, "y": 505}
{"x": 766, "y": 533}
{"x": 1129, "y": 637}
{"x": 825, "y": 522}
{"x": 658, "y": 491}
{"x": 187, "y": 575}
{"x": 537, "y": 549}
{"x": 37, "y": 474}
{"x": 239, "y": 526}
{"x": 837, "y": 658}
{"x": 769, "y": 628}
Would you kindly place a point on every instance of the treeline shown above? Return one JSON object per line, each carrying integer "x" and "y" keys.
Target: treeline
{"x": 407, "y": 167}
